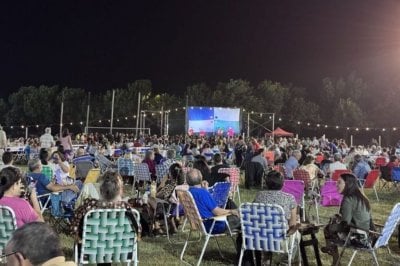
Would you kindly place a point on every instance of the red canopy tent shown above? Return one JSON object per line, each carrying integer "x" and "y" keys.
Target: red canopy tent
{"x": 279, "y": 132}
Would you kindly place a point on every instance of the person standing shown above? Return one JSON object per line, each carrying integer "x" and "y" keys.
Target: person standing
{"x": 3, "y": 140}
{"x": 46, "y": 140}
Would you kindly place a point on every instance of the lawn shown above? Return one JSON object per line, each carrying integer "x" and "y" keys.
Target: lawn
{"x": 158, "y": 251}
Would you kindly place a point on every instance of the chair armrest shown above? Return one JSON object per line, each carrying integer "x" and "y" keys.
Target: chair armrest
{"x": 218, "y": 218}
{"x": 293, "y": 229}
{"x": 367, "y": 231}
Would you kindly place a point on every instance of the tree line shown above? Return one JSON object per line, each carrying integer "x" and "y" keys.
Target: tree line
{"x": 347, "y": 101}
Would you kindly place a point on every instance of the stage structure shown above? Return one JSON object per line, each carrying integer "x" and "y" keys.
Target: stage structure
{"x": 203, "y": 120}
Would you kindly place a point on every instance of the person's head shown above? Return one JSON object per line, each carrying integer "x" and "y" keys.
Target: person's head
{"x": 357, "y": 158}
{"x": 34, "y": 165}
{"x": 7, "y": 157}
{"x": 149, "y": 155}
{"x": 171, "y": 154}
{"x": 111, "y": 186}
{"x": 47, "y": 130}
{"x": 201, "y": 165}
{"x": 217, "y": 158}
{"x": 274, "y": 180}
{"x": 33, "y": 244}
{"x": 337, "y": 157}
{"x": 65, "y": 132}
{"x": 309, "y": 160}
{"x": 44, "y": 155}
{"x": 175, "y": 172}
{"x": 347, "y": 185}
{"x": 56, "y": 156}
{"x": 11, "y": 181}
{"x": 194, "y": 177}
{"x": 296, "y": 154}
{"x": 393, "y": 158}
{"x": 156, "y": 149}
{"x": 80, "y": 152}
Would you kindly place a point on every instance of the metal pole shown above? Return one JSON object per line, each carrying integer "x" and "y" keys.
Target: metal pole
{"x": 26, "y": 133}
{"x": 112, "y": 111}
{"x": 273, "y": 126}
{"x": 379, "y": 140}
{"x": 167, "y": 123}
{"x": 162, "y": 120}
{"x": 138, "y": 116}
{"x": 351, "y": 140}
{"x": 248, "y": 125}
{"x": 87, "y": 115}
{"x": 144, "y": 120}
{"x": 62, "y": 113}
{"x": 186, "y": 114}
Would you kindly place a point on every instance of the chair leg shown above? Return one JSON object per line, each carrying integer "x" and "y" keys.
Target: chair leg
{"x": 376, "y": 193}
{"x": 204, "y": 248}
{"x": 316, "y": 210}
{"x": 219, "y": 248}
{"x": 241, "y": 256}
{"x": 352, "y": 257}
{"x": 238, "y": 193}
{"x": 184, "y": 246}
{"x": 375, "y": 258}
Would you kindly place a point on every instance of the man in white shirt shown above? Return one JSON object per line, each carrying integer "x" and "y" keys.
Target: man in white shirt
{"x": 3, "y": 140}
{"x": 337, "y": 164}
{"x": 47, "y": 140}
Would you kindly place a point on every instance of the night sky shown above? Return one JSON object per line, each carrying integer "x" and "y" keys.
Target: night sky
{"x": 99, "y": 45}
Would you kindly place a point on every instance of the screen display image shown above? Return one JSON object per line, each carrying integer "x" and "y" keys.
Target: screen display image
{"x": 213, "y": 120}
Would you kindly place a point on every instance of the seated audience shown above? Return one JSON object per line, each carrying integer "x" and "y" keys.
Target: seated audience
{"x": 11, "y": 189}
{"x": 206, "y": 204}
{"x": 201, "y": 165}
{"x": 260, "y": 158}
{"x": 275, "y": 195}
{"x": 82, "y": 156}
{"x": 292, "y": 163}
{"x": 310, "y": 166}
{"x": 111, "y": 192}
{"x": 158, "y": 158}
{"x": 35, "y": 243}
{"x": 355, "y": 210}
{"x": 8, "y": 159}
{"x": 360, "y": 167}
{"x": 393, "y": 162}
{"x": 337, "y": 164}
{"x": 164, "y": 191}
{"x": 215, "y": 176}
{"x": 43, "y": 184}
{"x": 149, "y": 160}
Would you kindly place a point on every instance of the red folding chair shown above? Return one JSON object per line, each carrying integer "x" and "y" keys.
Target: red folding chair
{"x": 370, "y": 181}
{"x": 303, "y": 175}
{"x": 380, "y": 161}
{"x": 336, "y": 174}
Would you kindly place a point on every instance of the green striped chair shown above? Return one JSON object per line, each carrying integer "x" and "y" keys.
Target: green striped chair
{"x": 108, "y": 237}
{"x": 8, "y": 224}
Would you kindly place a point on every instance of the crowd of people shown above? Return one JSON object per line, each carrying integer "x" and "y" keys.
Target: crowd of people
{"x": 51, "y": 160}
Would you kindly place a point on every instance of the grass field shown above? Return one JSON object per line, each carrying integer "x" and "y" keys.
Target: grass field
{"x": 158, "y": 251}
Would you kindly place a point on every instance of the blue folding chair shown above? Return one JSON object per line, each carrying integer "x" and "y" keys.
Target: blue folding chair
{"x": 220, "y": 193}
{"x": 264, "y": 228}
{"x": 8, "y": 224}
{"x": 383, "y": 240}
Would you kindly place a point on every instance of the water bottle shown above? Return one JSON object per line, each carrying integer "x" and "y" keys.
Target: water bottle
{"x": 153, "y": 189}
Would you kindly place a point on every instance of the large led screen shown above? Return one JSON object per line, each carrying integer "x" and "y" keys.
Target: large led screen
{"x": 213, "y": 120}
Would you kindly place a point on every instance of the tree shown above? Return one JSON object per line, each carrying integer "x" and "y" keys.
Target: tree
{"x": 272, "y": 95}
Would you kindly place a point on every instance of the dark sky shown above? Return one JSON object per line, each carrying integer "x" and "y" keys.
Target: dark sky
{"x": 98, "y": 45}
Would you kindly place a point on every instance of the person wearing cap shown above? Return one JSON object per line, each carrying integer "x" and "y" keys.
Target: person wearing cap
{"x": 47, "y": 140}
{"x": 35, "y": 243}
{"x": 3, "y": 139}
